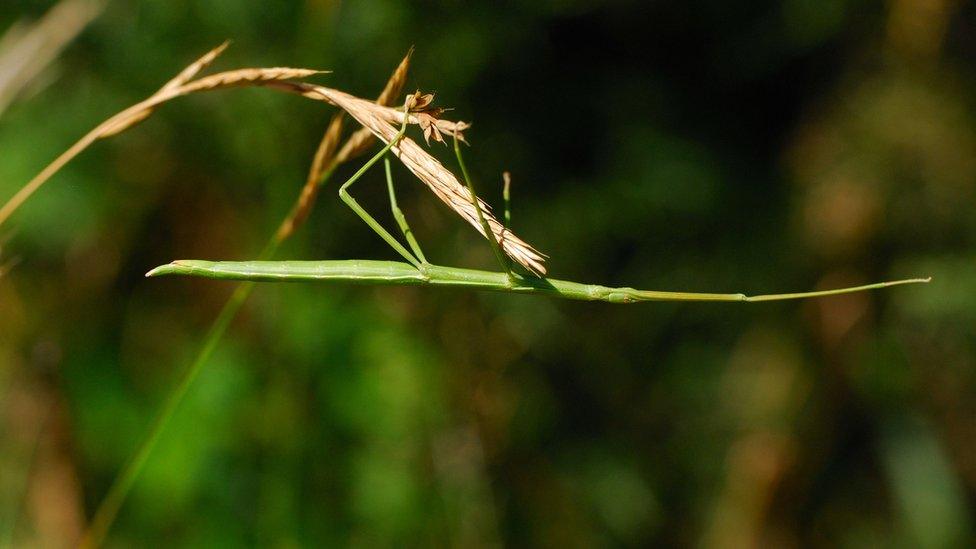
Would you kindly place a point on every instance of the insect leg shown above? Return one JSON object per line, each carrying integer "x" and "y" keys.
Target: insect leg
{"x": 398, "y": 215}
{"x": 351, "y": 202}
{"x": 489, "y": 234}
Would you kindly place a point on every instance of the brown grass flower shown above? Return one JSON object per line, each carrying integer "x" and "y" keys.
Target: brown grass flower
{"x": 427, "y": 116}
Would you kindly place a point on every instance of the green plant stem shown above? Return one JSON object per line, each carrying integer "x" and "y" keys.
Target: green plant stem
{"x": 359, "y": 271}
{"x": 109, "y": 508}
{"x": 112, "y": 503}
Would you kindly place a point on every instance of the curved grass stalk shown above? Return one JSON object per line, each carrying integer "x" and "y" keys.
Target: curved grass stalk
{"x": 109, "y": 508}
{"x": 359, "y": 271}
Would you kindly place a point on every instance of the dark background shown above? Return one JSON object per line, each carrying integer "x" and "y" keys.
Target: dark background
{"x": 760, "y": 147}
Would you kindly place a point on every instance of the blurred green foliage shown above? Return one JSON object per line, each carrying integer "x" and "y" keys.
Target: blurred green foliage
{"x": 701, "y": 146}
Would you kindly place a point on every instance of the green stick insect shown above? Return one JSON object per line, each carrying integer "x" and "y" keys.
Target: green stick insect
{"x": 418, "y": 271}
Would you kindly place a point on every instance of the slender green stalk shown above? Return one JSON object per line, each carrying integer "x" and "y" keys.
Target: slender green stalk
{"x": 109, "y": 507}
{"x": 489, "y": 234}
{"x": 359, "y": 271}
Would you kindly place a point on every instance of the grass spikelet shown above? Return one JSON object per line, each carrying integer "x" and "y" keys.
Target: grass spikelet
{"x": 188, "y": 73}
{"x": 244, "y": 77}
{"x": 325, "y": 154}
{"x": 394, "y": 86}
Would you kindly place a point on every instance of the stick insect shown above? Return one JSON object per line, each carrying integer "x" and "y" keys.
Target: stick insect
{"x": 417, "y": 270}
